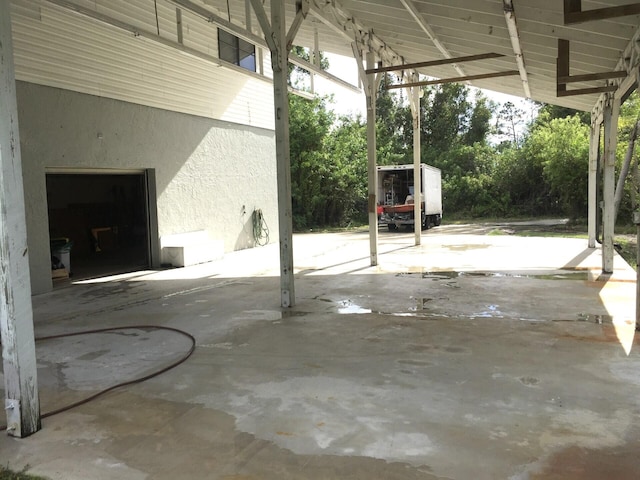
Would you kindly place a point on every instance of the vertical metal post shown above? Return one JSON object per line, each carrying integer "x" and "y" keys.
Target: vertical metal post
{"x": 417, "y": 177}
{"x": 594, "y": 146}
{"x": 371, "y": 93}
{"x": 611, "y": 112}
{"x": 279, "y": 58}
{"x": 636, "y": 220}
{"x": 16, "y": 315}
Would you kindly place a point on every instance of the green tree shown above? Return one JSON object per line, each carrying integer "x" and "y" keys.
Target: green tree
{"x": 480, "y": 121}
{"x": 446, "y": 118}
{"x": 393, "y": 119}
{"x": 298, "y": 75}
{"x": 548, "y": 112}
{"x": 310, "y": 123}
{"x": 510, "y": 120}
{"x": 562, "y": 148}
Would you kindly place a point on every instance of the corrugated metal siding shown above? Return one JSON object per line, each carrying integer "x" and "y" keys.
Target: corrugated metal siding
{"x": 58, "y": 48}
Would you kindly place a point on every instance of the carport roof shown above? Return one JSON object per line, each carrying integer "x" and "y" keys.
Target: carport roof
{"x": 424, "y": 30}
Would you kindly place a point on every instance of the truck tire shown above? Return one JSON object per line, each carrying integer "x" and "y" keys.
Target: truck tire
{"x": 392, "y": 227}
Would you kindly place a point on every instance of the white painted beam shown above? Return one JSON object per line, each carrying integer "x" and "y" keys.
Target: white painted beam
{"x": 514, "y": 35}
{"x": 611, "y": 113}
{"x": 344, "y": 23}
{"x": 414, "y": 96}
{"x": 372, "y": 174}
{"x": 279, "y": 55}
{"x": 302, "y": 9}
{"x": 594, "y": 146}
{"x": 16, "y": 315}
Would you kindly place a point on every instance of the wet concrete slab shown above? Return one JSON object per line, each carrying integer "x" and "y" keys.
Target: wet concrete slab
{"x": 466, "y": 357}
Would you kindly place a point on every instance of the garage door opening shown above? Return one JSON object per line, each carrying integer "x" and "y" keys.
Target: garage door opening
{"x": 99, "y": 223}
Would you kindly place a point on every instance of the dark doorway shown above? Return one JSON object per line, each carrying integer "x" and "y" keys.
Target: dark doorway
{"x": 102, "y": 218}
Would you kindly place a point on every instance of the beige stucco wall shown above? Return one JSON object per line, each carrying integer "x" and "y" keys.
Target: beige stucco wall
{"x": 210, "y": 174}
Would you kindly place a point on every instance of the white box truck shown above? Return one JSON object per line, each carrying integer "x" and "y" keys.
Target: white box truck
{"x": 395, "y": 196}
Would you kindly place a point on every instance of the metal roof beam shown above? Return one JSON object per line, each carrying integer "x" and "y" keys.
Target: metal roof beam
{"x": 426, "y": 28}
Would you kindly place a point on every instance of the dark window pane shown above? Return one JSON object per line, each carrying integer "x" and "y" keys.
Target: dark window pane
{"x": 228, "y": 53}
{"x": 237, "y": 51}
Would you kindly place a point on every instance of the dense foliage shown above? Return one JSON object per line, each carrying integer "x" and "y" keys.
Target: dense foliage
{"x": 494, "y": 161}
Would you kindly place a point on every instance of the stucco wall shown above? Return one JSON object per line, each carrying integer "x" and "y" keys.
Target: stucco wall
{"x": 209, "y": 174}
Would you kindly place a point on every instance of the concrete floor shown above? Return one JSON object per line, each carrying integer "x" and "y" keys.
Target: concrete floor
{"x": 469, "y": 357}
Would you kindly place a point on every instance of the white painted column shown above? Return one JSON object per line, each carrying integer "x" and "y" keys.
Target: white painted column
{"x": 371, "y": 93}
{"x": 16, "y": 315}
{"x": 611, "y": 112}
{"x": 417, "y": 177}
{"x": 279, "y": 58}
{"x": 594, "y": 146}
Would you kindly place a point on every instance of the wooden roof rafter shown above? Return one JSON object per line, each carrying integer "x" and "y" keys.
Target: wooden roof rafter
{"x": 573, "y": 12}
{"x": 563, "y": 76}
{"x": 466, "y": 78}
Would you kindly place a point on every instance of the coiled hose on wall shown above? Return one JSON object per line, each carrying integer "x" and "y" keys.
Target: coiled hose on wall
{"x": 129, "y": 382}
{"x": 260, "y": 228}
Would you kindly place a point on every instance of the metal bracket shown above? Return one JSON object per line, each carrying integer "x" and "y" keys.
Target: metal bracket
{"x": 12, "y": 408}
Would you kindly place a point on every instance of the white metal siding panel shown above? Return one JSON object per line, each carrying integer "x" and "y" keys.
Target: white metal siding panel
{"x": 62, "y": 49}
{"x": 198, "y": 34}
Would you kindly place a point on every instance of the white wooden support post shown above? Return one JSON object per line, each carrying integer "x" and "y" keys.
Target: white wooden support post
{"x": 611, "y": 112}
{"x": 594, "y": 146}
{"x": 279, "y": 59}
{"x": 371, "y": 93}
{"x": 16, "y": 315}
{"x": 417, "y": 177}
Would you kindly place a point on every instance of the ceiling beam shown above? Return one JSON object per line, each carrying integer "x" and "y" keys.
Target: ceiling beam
{"x": 588, "y": 77}
{"x": 302, "y": 9}
{"x": 333, "y": 15}
{"x": 587, "y": 91}
{"x": 220, "y": 22}
{"x": 302, "y": 63}
{"x": 435, "y": 63}
{"x": 514, "y": 35}
{"x": 563, "y": 75}
{"x": 426, "y": 28}
{"x": 573, "y": 12}
{"x": 465, "y": 78}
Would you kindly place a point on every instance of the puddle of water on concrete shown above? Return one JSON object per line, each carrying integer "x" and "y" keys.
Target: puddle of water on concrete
{"x": 465, "y": 247}
{"x": 292, "y": 313}
{"x": 491, "y": 312}
{"x": 590, "y": 318}
{"x": 421, "y": 304}
{"x": 347, "y": 307}
{"x": 447, "y": 275}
